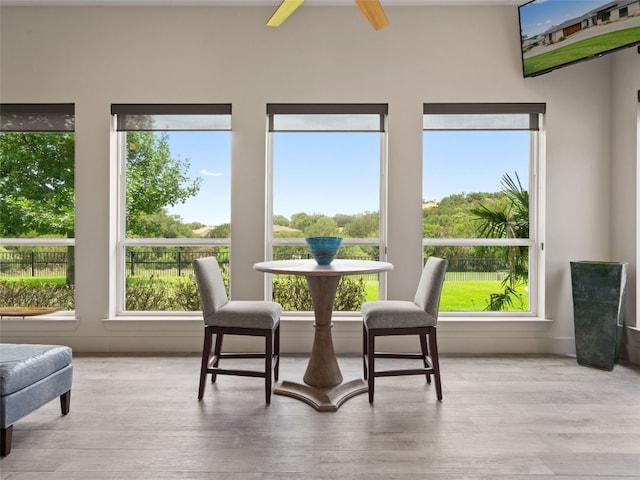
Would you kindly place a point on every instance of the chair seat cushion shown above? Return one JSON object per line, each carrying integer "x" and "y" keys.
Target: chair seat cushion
{"x": 395, "y": 314}
{"x": 246, "y": 314}
{"x": 22, "y": 365}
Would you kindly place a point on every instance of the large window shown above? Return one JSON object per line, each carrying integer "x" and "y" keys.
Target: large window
{"x": 175, "y": 194}
{"x": 37, "y": 206}
{"x": 480, "y": 204}
{"x": 327, "y": 168}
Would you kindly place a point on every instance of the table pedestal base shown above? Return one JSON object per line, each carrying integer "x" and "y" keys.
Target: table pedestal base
{"x": 323, "y": 399}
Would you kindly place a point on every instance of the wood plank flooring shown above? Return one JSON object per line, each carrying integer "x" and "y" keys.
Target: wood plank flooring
{"x": 502, "y": 417}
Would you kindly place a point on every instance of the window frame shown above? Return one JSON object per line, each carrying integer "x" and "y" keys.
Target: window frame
{"x": 328, "y": 109}
{"x": 39, "y": 118}
{"x": 535, "y": 187}
{"x": 119, "y": 113}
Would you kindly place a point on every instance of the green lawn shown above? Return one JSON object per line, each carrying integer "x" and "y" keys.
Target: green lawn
{"x": 36, "y": 280}
{"x": 463, "y": 296}
{"x": 581, "y": 49}
{"x": 474, "y": 296}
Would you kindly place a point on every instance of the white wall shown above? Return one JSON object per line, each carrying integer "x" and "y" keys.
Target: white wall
{"x": 624, "y": 158}
{"x": 97, "y": 56}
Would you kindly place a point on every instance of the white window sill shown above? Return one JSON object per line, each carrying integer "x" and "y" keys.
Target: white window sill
{"x": 42, "y": 323}
{"x": 447, "y": 324}
{"x": 68, "y": 322}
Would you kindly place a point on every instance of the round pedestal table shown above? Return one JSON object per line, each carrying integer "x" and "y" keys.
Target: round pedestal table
{"x": 323, "y": 387}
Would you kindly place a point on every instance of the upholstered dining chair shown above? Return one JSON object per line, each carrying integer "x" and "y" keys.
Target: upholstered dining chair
{"x": 235, "y": 317}
{"x": 403, "y": 317}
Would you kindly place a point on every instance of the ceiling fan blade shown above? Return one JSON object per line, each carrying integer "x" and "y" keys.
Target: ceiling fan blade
{"x": 374, "y": 13}
{"x": 285, "y": 9}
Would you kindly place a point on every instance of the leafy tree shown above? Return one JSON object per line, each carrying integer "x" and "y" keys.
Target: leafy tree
{"x": 36, "y": 184}
{"x": 195, "y": 225}
{"x": 220, "y": 231}
{"x": 302, "y": 221}
{"x": 37, "y": 196}
{"x": 280, "y": 220}
{"x": 342, "y": 219}
{"x": 154, "y": 178}
{"x": 322, "y": 227}
{"x": 508, "y": 219}
{"x": 163, "y": 225}
{"x": 362, "y": 226}
{"x": 43, "y": 205}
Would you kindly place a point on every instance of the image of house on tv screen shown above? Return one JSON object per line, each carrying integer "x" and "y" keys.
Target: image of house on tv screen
{"x": 556, "y": 33}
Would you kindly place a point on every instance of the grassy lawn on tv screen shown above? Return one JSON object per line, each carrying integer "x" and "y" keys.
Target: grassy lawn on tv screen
{"x": 580, "y": 50}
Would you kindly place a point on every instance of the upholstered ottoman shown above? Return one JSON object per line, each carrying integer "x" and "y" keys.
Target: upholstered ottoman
{"x": 30, "y": 376}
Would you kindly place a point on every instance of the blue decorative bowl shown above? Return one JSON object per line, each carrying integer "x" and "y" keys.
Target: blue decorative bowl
{"x": 324, "y": 249}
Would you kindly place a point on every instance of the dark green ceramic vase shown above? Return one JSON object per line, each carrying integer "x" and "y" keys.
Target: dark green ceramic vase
{"x": 598, "y": 311}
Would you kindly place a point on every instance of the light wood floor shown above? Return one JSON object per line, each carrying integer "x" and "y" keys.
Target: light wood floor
{"x": 137, "y": 417}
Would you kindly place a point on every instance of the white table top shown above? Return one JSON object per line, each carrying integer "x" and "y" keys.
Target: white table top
{"x": 311, "y": 268}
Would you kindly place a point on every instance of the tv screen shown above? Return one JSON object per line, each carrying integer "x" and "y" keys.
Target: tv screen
{"x": 557, "y": 33}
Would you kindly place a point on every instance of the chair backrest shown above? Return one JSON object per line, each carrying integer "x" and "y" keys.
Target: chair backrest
{"x": 213, "y": 293}
{"x": 430, "y": 286}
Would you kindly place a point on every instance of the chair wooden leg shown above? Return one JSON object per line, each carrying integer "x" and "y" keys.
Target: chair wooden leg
{"x": 433, "y": 346}
{"x": 65, "y": 402}
{"x": 364, "y": 351}
{"x": 371, "y": 355}
{"x": 276, "y": 352}
{"x": 425, "y": 354}
{"x": 6, "y": 435}
{"x": 268, "y": 365}
{"x": 206, "y": 353}
{"x": 216, "y": 352}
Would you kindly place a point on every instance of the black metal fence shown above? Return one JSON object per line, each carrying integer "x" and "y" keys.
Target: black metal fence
{"x": 138, "y": 263}
{"x": 176, "y": 263}
{"x": 146, "y": 263}
{"x": 33, "y": 264}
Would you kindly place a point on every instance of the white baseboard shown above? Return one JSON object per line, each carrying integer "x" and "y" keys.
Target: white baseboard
{"x": 151, "y": 337}
{"x": 631, "y": 345}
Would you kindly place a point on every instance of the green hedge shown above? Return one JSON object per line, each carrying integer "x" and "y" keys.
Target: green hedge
{"x": 292, "y": 292}
{"x": 175, "y": 294}
{"x": 30, "y": 294}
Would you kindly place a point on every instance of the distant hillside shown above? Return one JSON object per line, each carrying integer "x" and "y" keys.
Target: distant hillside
{"x": 204, "y": 231}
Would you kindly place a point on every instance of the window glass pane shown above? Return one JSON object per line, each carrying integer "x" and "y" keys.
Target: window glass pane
{"x": 162, "y": 278}
{"x": 37, "y": 276}
{"x": 467, "y": 177}
{"x": 292, "y": 291}
{"x": 37, "y": 207}
{"x": 37, "y": 123}
{"x": 315, "y": 174}
{"x": 475, "y": 196}
{"x": 326, "y": 184}
{"x": 476, "y": 122}
{"x": 37, "y": 117}
{"x": 327, "y": 123}
{"x": 178, "y": 184}
{"x": 175, "y": 122}
{"x": 484, "y": 278}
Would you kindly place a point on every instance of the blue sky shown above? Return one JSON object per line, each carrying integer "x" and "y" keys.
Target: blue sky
{"x": 538, "y": 16}
{"x": 472, "y": 161}
{"x": 326, "y": 173}
{"x": 333, "y": 173}
{"x": 209, "y": 155}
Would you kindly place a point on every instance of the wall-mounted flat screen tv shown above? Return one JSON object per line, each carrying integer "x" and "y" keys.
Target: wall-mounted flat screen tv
{"x": 557, "y": 33}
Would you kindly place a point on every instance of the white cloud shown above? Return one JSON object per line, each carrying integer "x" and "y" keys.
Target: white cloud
{"x": 206, "y": 173}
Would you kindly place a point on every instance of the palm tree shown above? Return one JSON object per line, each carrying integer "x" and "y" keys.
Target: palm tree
{"x": 508, "y": 220}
